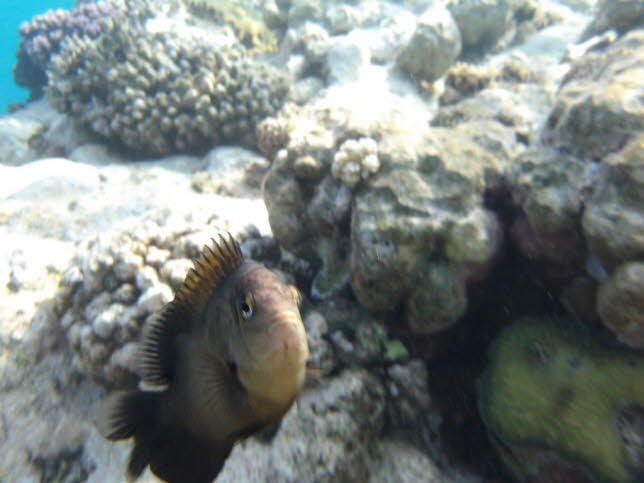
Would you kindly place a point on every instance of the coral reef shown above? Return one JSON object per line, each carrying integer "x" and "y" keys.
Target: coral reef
{"x": 66, "y": 466}
{"x": 337, "y": 17}
{"x": 413, "y": 233}
{"x": 559, "y": 401}
{"x": 548, "y": 187}
{"x": 620, "y": 303}
{"x": 355, "y": 160}
{"x": 481, "y": 22}
{"x": 463, "y": 80}
{"x": 272, "y": 135}
{"x": 618, "y": 15}
{"x": 613, "y": 221}
{"x": 433, "y": 47}
{"x": 613, "y": 225}
{"x": 410, "y": 409}
{"x": 576, "y": 214}
{"x": 157, "y": 88}
{"x": 599, "y": 104}
{"x": 403, "y": 463}
{"x": 504, "y": 105}
{"x": 494, "y": 24}
{"x": 116, "y": 282}
{"x": 321, "y": 357}
{"x": 396, "y": 212}
{"x": 325, "y": 437}
{"x": 42, "y": 38}
{"x": 357, "y": 338}
{"x": 237, "y": 14}
{"x": 511, "y": 92}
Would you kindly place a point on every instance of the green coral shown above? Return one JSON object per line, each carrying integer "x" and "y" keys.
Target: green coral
{"x": 552, "y": 387}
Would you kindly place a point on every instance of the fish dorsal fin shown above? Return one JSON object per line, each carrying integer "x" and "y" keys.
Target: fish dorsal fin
{"x": 157, "y": 354}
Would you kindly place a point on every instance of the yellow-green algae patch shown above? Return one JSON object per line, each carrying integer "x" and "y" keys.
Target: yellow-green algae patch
{"x": 552, "y": 385}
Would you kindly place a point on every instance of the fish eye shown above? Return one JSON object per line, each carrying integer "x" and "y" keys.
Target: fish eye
{"x": 246, "y": 307}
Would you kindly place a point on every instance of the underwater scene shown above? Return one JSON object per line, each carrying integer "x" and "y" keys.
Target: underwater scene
{"x": 322, "y": 241}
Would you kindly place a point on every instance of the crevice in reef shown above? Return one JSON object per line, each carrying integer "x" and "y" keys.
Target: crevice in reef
{"x": 458, "y": 356}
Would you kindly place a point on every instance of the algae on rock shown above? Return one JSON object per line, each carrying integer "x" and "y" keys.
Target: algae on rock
{"x": 555, "y": 397}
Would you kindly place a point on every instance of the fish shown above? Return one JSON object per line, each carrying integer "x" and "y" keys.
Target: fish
{"x": 224, "y": 360}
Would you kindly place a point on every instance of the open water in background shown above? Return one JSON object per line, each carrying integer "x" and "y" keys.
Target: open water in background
{"x": 14, "y": 12}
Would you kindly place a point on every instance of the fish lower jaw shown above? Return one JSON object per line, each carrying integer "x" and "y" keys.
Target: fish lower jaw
{"x": 283, "y": 381}
{"x": 273, "y": 390}
{"x": 277, "y": 371}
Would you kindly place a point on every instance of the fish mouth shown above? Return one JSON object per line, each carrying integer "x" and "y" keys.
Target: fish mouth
{"x": 287, "y": 320}
{"x": 287, "y": 331}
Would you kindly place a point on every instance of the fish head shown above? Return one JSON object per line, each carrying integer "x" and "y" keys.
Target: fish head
{"x": 268, "y": 342}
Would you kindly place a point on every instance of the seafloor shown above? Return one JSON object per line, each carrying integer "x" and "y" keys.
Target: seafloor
{"x": 456, "y": 187}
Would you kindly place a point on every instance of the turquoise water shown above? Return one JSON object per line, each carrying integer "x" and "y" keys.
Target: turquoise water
{"x": 14, "y": 13}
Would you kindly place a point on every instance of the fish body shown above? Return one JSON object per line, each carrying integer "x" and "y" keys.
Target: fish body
{"x": 227, "y": 357}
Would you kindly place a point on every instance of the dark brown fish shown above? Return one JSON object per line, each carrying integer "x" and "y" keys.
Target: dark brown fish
{"x": 228, "y": 355}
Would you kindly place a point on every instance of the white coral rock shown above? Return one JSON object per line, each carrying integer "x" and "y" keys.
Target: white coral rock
{"x": 356, "y": 160}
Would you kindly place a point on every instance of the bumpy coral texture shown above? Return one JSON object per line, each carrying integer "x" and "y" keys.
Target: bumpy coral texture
{"x": 117, "y": 282}
{"x": 41, "y": 38}
{"x": 355, "y": 160}
{"x": 272, "y": 135}
{"x": 160, "y": 90}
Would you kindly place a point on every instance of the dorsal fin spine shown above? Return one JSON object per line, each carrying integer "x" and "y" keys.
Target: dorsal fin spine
{"x": 210, "y": 268}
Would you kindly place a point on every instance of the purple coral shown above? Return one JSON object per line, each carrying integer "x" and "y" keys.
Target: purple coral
{"x": 41, "y": 38}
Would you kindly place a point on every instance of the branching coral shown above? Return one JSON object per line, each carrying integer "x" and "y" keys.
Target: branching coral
{"x": 356, "y": 160}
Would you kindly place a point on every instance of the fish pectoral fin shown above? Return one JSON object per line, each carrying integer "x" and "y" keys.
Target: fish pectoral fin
{"x": 127, "y": 414}
{"x": 158, "y": 350}
{"x": 124, "y": 413}
{"x": 180, "y": 457}
{"x": 220, "y": 392}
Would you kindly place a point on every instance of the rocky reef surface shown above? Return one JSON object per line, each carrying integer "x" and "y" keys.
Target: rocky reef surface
{"x": 456, "y": 188}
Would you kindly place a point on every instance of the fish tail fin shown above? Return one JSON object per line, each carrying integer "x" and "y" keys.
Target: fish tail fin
{"x": 140, "y": 458}
{"x": 128, "y": 414}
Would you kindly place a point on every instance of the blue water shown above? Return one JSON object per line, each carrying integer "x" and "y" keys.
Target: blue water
{"x": 14, "y": 12}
